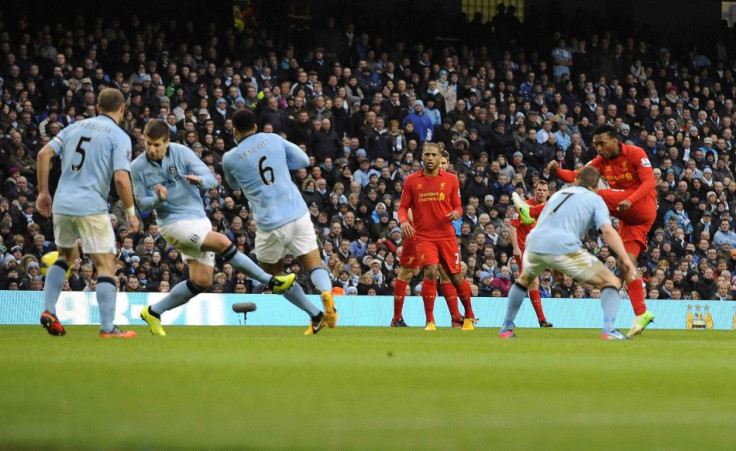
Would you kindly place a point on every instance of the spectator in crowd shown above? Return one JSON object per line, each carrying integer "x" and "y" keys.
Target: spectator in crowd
{"x": 373, "y": 118}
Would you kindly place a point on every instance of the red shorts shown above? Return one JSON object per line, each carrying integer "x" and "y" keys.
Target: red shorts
{"x": 444, "y": 252}
{"x": 634, "y": 223}
{"x": 408, "y": 257}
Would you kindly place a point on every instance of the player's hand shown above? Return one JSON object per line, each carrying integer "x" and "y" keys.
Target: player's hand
{"x": 133, "y": 224}
{"x": 517, "y": 254}
{"x": 624, "y": 205}
{"x": 453, "y": 215}
{"x": 43, "y": 204}
{"x": 193, "y": 179}
{"x": 161, "y": 192}
{"x": 630, "y": 271}
{"x": 407, "y": 230}
{"x": 553, "y": 168}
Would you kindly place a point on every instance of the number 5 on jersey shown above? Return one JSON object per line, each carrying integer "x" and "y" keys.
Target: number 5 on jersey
{"x": 80, "y": 150}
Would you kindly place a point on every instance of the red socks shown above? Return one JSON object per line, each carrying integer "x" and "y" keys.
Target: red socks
{"x": 429, "y": 293}
{"x": 399, "y": 295}
{"x": 450, "y": 294}
{"x": 536, "y": 299}
{"x": 636, "y": 295}
{"x": 463, "y": 292}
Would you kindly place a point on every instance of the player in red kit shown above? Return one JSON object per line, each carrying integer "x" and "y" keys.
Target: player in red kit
{"x": 410, "y": 264}
{"x": 632, "y": 198}
{"x": 519, "y": 231}
{"x": 433, "y": 195}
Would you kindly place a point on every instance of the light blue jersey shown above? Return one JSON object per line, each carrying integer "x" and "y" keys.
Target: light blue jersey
{"x": 91, "y": 151}
{"x": 568, "y": 215}
{"x": 183, "y": 200}
{"x": 260, "y": 167}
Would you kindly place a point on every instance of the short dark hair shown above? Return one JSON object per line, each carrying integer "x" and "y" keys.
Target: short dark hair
{"x": 605, "y": 129}
{"x": 157, "y": 128}
{"x": 110, "y": 100}
{"x": 244, "y": 121}
{"x": 588, "y": 177}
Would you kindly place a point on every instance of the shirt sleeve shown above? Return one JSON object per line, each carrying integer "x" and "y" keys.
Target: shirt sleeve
{"x": 406, "y": 200}
{"x": 121, "y": 152}
{"x": 57, "y": 141}
{"x": 147, "y": 201}
{"x": 639, "y": 160}
{"x": 516, "y": 220}
{"x": 231, "y": 181}
{"x": 455, "y": 201}
{"x": 195, "y": 166}
{"x": 296, "y": 158}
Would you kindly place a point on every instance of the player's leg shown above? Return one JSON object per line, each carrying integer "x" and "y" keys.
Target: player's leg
{"x": 610, "y": 301}
{"x": 587, "y": 268}
{"x": 428, "y": 254}
{"x": 634, "y": 239}
{"x": 450, "y": 293}
{"x": 302, "y": 242}
{"x": 536, "y": 299}
{"x": 429, "y": 294}
{"x": 65, "y": 237}
{"x": 408, "y": 268}
{"x": 107, "y": 295}
{"x": 533, "y": 265}
{"x": 228, "y": 253}
{"x": 449, "y": 257}
{"x": 98, "y": 239}
{"x": 612, "y": 197}
{"x": 200, "y": 279}
{"x": 402, "y": 281}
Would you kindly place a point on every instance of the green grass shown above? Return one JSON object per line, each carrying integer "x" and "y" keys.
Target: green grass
{"x": 366, "y": 388}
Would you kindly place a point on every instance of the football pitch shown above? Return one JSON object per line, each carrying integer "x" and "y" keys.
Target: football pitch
{"x": 366, "y": 388}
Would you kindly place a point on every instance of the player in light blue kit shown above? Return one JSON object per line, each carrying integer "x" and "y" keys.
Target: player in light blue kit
{"x": 555, "y": 242}
{"x": 259, "y": 166}
{"x": 165, "y": 179}
{"x": 92, "y": 151}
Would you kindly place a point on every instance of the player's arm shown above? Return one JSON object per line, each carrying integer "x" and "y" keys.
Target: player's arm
{"x": 614, "y": 242}
{"x": 125, "y": 191}
{"x": 296, "y": 158}
{"x": 43, "y": 167}
{"x": 567, "y": 175}
{"x": 457, "y": 205}
{"x": 514, "y": 237}
{"x": 406, "y": 201}
{"x": 199, "y": 174}
{"x": 147, "y": 201}
{"x": 602, "y": 221}
{"x": 646, "y": 176}
{"x": 231, "y": 181}
{"x": 121, "y": 167}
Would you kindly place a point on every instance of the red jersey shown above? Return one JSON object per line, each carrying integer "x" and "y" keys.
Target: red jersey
{"x": 431, "y": 199}
{"x": 522, "y": 230}
{"x": 630, "y": 171}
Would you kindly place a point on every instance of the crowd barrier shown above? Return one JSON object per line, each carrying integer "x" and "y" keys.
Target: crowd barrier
{"x": 24, "y": 307}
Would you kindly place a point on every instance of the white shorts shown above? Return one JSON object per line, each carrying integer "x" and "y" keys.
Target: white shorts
{"x": 187, "y": 236}
{"x": 297, "y": 236}
{"x": 96, "y": 233}
{"x": 579, "y": 265}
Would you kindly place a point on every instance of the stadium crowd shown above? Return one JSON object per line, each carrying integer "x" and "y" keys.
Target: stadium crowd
{"x": 362, "y": 108}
